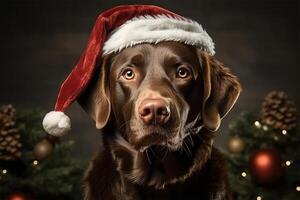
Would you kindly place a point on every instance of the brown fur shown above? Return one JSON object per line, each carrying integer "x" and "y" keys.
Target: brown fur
{"x": 190, "y": 169}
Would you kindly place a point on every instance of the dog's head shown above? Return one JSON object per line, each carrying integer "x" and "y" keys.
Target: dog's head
{"x": 157, "y": 94}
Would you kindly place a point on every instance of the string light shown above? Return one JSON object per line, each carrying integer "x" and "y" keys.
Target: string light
{"x": 288, "y": 163}
{"x": 284, "y": 132}
{"x": 265, "y": 128}
{"x": 298, "y": 188}
{"x": 257, "y": 124}
{"x": 4, "y": 171}
{"x": 258, "y": 198}
{"x": 244, "y": 174}
{"x": 35, "y": 162}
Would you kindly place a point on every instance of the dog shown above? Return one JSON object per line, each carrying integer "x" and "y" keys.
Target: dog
{"x": 159, "y": 106}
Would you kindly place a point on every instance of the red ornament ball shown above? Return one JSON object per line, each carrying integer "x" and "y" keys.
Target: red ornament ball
{"x": 265, "y": 167}
{"x": 19, "y": 196}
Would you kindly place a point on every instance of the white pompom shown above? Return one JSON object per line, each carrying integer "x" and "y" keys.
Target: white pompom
{"x": 56, "y": 123}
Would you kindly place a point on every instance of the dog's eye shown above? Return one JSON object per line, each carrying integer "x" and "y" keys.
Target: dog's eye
{"x": 182, "y": 72}
{"x": 128, "y": 74}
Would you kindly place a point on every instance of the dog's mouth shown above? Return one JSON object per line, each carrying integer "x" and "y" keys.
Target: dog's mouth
{"x": 149, "y": 140}
{"x": 156, "y": 137}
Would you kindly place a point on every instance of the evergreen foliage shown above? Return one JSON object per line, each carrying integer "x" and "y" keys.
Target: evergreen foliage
{"x": 56, "y": 177}
{"x": 259, "y": 136}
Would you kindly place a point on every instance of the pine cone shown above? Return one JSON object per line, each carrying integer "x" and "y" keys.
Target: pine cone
{"x": 10, "y": 145}
{"x": 278, "y": 112}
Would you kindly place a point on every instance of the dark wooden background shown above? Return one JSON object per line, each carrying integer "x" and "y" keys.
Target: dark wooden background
{"x": 42, "y": 40}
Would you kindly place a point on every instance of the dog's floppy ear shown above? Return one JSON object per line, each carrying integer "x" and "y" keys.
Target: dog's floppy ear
{"x": 96, "y": 99}
{"x": 221, "y": 90}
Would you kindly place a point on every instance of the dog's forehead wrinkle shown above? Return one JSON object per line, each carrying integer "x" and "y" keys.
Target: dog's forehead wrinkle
{"x": 155, "y": 65}
{"x": 137, "y": 55}
{"x": 137, "y": 58}
{"x": 157, "y": 81}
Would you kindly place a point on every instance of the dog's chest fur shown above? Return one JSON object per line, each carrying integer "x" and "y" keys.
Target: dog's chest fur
{"x": 104, "y": 181}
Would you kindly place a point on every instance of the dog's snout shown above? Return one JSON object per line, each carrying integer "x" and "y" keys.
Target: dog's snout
{"x": 155, "y": 111}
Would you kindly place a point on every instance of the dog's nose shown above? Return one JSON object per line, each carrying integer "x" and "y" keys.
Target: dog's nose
{"x": 155, "y": 111}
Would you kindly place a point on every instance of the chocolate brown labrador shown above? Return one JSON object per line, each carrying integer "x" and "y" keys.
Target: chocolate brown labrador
{"x": 159, "y": 106}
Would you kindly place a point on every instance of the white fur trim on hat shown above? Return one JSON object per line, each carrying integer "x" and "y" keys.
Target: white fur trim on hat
{"x": 56, "y": 123}
{"x": 155, "y": 29}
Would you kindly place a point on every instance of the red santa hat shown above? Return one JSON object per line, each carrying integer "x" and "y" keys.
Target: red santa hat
{"x": 114, "y": 30}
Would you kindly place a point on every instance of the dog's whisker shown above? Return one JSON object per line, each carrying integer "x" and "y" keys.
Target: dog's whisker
{"x": 184, "y": 150}
{"x": 152, "y": 152}
{"x": 191, "y": 140}
{"x": 124, "y": 124}
{"x": 148, "y": 158}
{"x": 187, "y": 148}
